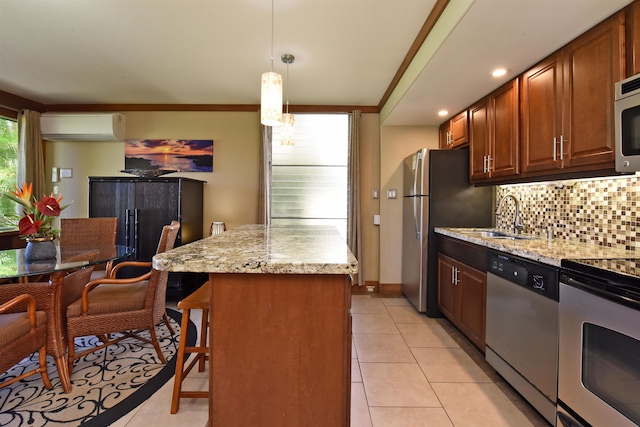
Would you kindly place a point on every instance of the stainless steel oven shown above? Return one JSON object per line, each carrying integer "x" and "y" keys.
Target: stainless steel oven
{"x": 599, "y": 344}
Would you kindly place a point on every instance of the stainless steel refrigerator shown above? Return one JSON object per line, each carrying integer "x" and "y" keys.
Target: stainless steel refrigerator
{"x": 436, "y": 193}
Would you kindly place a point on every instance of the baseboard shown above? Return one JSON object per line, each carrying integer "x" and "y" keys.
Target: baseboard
{"x": 367, "y": 288}
{"x": 390, "y": 289}
{"x": 382, "y": 289}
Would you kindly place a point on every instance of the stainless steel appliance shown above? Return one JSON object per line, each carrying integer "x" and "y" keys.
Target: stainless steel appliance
{"x": 522, "y": 328}
{"x": 599, "y": 363}
{"x": 437, "y": 193}
{"x": 627, "y": 124}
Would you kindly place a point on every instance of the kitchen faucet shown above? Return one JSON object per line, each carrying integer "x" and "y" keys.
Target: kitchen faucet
{"x": 517, "y": 225}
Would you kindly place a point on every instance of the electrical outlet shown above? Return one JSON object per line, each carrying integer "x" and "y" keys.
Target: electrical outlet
{"x": 371, "y": 288}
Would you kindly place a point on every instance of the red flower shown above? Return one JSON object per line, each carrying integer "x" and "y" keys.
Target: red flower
{"x": 48, "y": 206}
{"x": 28, "y": 226}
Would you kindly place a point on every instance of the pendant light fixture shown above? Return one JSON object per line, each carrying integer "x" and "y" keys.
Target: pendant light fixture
{"x": 271, "y": 92}
{"x": 286, "y": 129}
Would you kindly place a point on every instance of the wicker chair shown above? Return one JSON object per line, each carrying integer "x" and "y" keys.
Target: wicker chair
{"x": 53, "y": 299}
{"x": 76, "y": 232}
{"x": 22, "y": 333}
{"x": 127, "y": 306}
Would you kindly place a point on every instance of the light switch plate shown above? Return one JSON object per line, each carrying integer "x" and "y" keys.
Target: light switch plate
{"x": 54, "y": 175}
{"x": 392, "y": 194}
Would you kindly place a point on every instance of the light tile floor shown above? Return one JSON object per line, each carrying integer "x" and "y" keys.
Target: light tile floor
{"x": 408, "y": 370}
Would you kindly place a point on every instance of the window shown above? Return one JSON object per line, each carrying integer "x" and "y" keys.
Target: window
{"x": 8, "y": 162}
{"x": 309, "y": 180}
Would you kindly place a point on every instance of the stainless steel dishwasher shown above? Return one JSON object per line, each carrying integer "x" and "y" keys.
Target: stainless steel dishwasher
{"x": 522, "y": 328}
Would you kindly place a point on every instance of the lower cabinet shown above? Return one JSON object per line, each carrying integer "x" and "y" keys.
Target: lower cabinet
{"x": 462, "y": 294}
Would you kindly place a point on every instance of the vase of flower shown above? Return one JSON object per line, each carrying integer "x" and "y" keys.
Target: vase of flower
{"x": 40, "y": 248}
{"x": 35, "y": 225}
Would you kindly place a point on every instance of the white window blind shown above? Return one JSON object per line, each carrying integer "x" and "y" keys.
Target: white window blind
{"x": 309, "y": 181}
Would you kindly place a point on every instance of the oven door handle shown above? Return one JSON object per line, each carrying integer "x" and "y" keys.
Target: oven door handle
{"x": 600, "y": 289}
{"x": 567, "y": 421}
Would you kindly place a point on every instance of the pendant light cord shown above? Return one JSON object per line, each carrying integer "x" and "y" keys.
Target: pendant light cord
{"x": 272, "y": 36}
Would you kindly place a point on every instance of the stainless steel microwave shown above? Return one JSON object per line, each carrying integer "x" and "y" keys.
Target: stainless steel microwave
{"x": 627, "y": 124}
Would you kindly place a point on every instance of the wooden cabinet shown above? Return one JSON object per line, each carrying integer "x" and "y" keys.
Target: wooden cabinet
{"x": 632, "y": 26}
{"x": 143, "y": 206}
{"x": 444, "y": 135}
{"x": 494, "y": 135}
{"x": 283, "y": 343}
{"x": 462, "y": 288}
{"x": 454, "y": 133}
{"x": 567, "y": 103}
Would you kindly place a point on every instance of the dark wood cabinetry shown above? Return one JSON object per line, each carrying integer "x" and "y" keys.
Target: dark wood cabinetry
{"x": 454, "y": 133}
{"x": 632, "y": 26}
{"x": 444, "y": 135}
{"x": 494, "y": 135}
{"x": 143, "y": 206}
{"x": 462, "y": 288}
{"x": 567, "y": 103}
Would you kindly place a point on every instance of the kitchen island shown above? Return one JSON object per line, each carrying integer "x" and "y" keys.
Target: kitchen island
{"x": 280, "y": 327}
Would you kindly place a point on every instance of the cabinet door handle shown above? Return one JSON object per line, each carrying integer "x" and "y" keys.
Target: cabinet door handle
{"x": 488, "y": 163}
{"x": 555, "y": 142}
{"x": 454, "y": 276}
{"x": 562, "y": 140}
{"x": 136, "y": 232}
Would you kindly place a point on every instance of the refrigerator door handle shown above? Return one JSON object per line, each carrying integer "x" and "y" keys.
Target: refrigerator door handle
{"x": 415, "y": 216}
{"x": 418, "y": 157}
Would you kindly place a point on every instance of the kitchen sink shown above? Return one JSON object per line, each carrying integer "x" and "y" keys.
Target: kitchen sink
{"x": 492, "y": 234}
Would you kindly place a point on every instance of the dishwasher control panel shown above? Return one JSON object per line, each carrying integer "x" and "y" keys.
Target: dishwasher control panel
{"x": 539, "y": 278}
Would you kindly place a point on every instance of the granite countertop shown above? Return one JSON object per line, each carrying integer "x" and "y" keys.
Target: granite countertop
{"x": 550, "y": 252}
{"x": 262, "y": 249}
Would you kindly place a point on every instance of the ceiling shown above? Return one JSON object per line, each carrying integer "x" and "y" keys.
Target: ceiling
{"x": 214, "y": 51}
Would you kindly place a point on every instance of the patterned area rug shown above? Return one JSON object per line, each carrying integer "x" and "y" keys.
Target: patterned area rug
{"x": 106, "y": 384}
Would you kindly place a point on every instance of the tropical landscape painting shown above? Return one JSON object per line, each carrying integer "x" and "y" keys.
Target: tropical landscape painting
{"x": 155, "y": 157}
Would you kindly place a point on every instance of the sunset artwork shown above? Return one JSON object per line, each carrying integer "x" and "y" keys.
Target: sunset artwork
{"x": 155, "y": 157}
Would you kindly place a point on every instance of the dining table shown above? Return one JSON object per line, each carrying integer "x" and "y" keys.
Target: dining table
{"x": 44, "y": 279}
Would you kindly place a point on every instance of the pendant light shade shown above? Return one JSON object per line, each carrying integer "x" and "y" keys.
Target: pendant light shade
{"x": 286, "y": 129}
{"x": 271, "y": 99}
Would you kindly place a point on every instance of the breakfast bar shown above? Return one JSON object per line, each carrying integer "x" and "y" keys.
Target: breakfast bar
{"x": 280, "y": 326}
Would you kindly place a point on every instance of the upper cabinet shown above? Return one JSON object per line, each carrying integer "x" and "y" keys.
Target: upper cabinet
{"x": 454, "y": 133}
{"x": 632, "y": 26}
{"x": 494, "y": 135}
{"x": 444, "y": 135}
{"x": 567, "y": 103}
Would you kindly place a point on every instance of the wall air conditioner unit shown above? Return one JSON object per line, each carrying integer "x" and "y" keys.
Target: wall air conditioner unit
{"x": 82, "y": 126}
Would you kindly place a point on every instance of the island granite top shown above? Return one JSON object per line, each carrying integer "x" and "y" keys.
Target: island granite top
{"x": 262, "y": 249}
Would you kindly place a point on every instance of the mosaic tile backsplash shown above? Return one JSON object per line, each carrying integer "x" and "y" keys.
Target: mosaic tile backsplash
{"x": 601, "y": 211}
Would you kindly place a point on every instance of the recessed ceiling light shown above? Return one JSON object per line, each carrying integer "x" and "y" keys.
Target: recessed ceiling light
{"x": 499, "y": 72}
{"x": 443, "y": 112}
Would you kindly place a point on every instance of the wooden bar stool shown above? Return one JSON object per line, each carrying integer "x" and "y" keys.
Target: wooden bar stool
{"x": 198, "y": 300}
